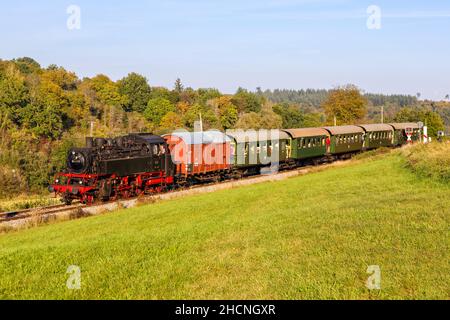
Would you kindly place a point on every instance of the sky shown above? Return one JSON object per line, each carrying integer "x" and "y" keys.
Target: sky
{"x": 227, "y": 44}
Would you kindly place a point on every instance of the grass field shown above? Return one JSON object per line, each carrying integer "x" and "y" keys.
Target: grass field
{"x": 310, "y": 237}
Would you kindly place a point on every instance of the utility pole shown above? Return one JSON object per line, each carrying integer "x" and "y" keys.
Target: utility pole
{"x": 382, "y": 114}
{"x": 335, "y": 121}
{"x": 201, "y": 123}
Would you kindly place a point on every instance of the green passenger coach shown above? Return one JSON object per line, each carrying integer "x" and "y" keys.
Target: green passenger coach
{"x": 345, "y": 139}
{"x": 377, "y": 135}
{"x": 307, "y": 143}
{"x": 254, "y": 149}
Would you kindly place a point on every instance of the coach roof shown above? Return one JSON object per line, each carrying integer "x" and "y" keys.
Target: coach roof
{"x": 307, "y": 132}
{"x": 403, "y": 126}
{"x": 242, "y": 136}
{"x": 344, "y": 130}
{"x": 376, "y": 127}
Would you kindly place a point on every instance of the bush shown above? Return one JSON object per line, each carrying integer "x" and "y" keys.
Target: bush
{"x": 11, "y": 181}
{"x": 431, "y": 160}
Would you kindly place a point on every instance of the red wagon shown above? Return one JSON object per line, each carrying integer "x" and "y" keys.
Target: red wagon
{"x": 200, "y": 155}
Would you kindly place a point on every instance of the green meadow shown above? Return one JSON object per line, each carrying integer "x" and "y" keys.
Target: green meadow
{"x": 308, "y": 237}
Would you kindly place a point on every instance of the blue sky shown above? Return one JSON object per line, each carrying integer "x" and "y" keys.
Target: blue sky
{"x": 230, "y": 43}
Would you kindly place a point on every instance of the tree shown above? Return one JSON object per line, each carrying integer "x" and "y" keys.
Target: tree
{"x": 137, "y": 89}
{"x": 207, "y": 94}
{"x": 65, "y": 80}
{"x": 107, "y": 91}
{"x": 226, "y": 110}
{"x": 161, "y": 92}
{"x": 291, "y": 115}
{"x": 247, "y": 121}
{"x": 346, "y": 104}
{"x": 171, "y": 121}
{"x": 247, "y": 101}
{"x": 313, "y": 120}
{"x": 44, "y": 115}
{"x": 266, "y": 119}
{"x": 13, "y": 93}
{"x": 157, "y": 108}
{"x": 447, "y": 97}
{"x": 178, "y": 87}
{"x": 193, "y": 114}
{"x": 27, "y": 65}
{"x": 269, "y": 119}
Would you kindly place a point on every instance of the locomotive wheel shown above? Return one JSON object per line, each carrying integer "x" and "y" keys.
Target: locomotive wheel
{"x": 66, "y": 200}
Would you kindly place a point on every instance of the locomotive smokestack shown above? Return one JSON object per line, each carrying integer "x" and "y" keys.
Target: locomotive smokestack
{"x": 89, "y": 142}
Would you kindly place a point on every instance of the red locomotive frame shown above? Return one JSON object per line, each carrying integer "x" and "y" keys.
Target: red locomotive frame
{"x": 87, "y": 187}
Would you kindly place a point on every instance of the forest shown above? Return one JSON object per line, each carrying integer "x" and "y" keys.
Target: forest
{"x": 44, "y": 111}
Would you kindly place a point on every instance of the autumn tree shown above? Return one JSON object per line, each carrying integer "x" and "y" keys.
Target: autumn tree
{"x": 107, "y": 91}
{"x": 45, "y": 114}
{"x": 210, "y": 120}
{"x": 313, "y": 120}
{"x": 266, "y": 119}
{"x": 157, "y": 108}
{"x": 251, "y": 120}
{"x": 206, "y": 94}
{"x": 247, "y": 101}
{"x": 171, "y": 121}
{"x": 27, "y": 65}
{"x": 161, "y": 92}
{"x": 291, "y": 115}
{"x": 346, "y": 104}
{"x": 269, "y": 119}
{"x": 226, "y": 110}
{"x": 137, "y": 89}
{"x": 13, "y": 93}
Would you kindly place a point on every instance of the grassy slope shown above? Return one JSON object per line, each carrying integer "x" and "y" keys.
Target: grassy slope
{"x": 306, "y": 237}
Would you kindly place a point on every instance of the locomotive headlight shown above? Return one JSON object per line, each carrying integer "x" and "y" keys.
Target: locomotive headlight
{"x": 57, "y": 181}
{"x": 81, "y": 182}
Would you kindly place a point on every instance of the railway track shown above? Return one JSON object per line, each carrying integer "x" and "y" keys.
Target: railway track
{"x": 28, "y": 213}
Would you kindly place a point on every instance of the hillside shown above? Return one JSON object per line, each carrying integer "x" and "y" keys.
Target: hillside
{"x": 302, "y": 238}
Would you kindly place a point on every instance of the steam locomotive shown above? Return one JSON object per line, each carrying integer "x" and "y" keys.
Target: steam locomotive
{"x": 108, "y": 169}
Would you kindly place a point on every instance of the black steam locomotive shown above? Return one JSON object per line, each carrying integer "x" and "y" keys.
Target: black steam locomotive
{"x": 115, "y": 168}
